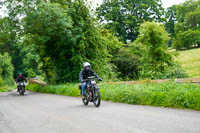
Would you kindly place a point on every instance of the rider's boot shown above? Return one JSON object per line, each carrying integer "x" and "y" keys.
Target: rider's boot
{"x": 84, "y": 96}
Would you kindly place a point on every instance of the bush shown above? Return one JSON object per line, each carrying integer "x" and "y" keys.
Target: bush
{"x": 31, "y": 73}
{"x": 166, "y": 94}
{"x": 1, "y": 82}
{"x": 187, "y": 39}
{"x": 6, "y": 69}
{"x": 174, "y": 71}
{"x": 5, "y": 88}
{"x": 67, "y": 89}
{"x": 128, "y": 64}
{"x": 157, "y": 60}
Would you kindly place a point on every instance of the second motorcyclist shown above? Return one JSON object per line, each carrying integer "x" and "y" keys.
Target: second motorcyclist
{"x": 20, "y": 79}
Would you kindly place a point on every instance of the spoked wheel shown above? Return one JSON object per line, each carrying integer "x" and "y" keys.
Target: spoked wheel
{"x": 85, "y": 101}
{"x": 97, "y": 98}
{"x": 21, "y": 91}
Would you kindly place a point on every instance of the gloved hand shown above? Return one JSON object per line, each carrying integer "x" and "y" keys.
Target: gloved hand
{"x": 100, "y": 79}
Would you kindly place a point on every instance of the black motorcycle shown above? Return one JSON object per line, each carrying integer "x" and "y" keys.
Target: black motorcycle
{"x": 21, "y": 87}
{"x": 92, "y": 92}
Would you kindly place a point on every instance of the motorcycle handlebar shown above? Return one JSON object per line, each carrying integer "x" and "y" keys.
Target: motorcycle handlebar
{"x": 89, "y": 79}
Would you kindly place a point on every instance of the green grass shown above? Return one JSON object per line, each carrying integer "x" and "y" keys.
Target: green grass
{"x": 186, "y": 96}
{"x": 6, "y": 88}
{"x": 67, "y": 89}
{"x": 190, "y": 61}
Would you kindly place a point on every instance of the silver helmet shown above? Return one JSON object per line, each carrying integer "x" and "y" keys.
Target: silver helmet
{"x": 86, "y": 64}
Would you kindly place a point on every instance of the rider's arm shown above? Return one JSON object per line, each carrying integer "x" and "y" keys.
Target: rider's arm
{"x": 17, "y": 80}
{"x": 94, "y": 73}
{"x": 25, "y": 80}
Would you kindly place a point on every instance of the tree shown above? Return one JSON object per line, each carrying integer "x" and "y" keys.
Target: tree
{"x": 152, "y": 41}
{"x": 125, "y": 17}
{"x": 6, "y": 69}
{"x": 31, "y": 59}
{"x": 188, "y": 27}
{"x": 192, "y": 19}
{"x": 16, "y": 46}
{"x": 65, "y": 36}
{"x": 170, "y": 15}
{"x": 50, "y": 27}
{"x": 186, "y": 7}
{"x": 12, "y": 33}
{"x": 113, "y": 43}
{"x": 187, "y": 39}
{"x": 8, "y": 43}
{"x": 57, "y": 36}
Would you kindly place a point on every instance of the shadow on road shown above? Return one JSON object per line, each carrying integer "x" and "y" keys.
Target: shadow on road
{"x": 83, "y": 106}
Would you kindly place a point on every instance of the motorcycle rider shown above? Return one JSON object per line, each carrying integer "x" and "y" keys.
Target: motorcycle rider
{"x": 20, "y": 79}
{"x": 84, "y": 74}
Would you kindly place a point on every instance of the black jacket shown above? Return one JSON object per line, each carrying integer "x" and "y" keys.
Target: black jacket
{"x": 22, "y": 79}
{"x": 85, "y": 73}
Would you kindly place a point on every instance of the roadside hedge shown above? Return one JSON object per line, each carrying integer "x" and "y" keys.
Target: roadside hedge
{"x": 6, "y": 88}
{"x": 184, "y": 95}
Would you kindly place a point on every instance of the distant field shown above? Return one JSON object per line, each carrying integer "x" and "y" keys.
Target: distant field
{"x": 190, "y": 61}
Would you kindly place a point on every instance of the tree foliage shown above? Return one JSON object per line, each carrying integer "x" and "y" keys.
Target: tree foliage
{"x": 188, "y": 27}
{"x": 8, "y": 43}
{"x": 187, "y": 39}
{"x": 54, "y": 37}
{"x": 128, "y": 63}
{"x": 170, "y": 15}
{"x": 12, "y": 35}
{"x": 152, "y": 41}
{"x": 6, "y": 70}
{"x": 65, "y": 36}
{"x": 125, "y": 17}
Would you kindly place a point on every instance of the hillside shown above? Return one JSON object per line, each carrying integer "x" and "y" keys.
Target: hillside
{"x": 190, "y": 61}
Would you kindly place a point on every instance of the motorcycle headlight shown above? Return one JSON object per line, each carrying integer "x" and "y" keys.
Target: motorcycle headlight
{"x": 93, "y": 82}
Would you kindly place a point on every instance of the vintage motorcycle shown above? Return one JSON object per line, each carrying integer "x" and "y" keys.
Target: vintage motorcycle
{"x": 92, "y": 92}
{"x": 21, "y": 86}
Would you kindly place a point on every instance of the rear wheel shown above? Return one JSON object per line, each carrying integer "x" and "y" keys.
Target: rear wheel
{"x": 97, "y": 98}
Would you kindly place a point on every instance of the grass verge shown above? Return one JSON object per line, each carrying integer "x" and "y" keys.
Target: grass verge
{"x": 185, "y": 96}
{"x": 6, "y": 88}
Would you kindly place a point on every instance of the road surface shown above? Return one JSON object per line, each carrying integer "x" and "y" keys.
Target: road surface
{"x": 46, "y": 113}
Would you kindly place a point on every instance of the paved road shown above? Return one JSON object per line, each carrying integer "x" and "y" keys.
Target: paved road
{"x": 44, "y": 113}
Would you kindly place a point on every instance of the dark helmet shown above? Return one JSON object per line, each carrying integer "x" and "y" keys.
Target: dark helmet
{"x": 20, "y": 75}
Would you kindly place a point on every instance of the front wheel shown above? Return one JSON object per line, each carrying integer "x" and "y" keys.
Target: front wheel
{"x": 97, "y": 98}
{"x": 85, "y": 101}
{"x": 21, "y": 91}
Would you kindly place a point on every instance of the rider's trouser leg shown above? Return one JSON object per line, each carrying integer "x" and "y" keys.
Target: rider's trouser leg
{"x": 83, "y": 85}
